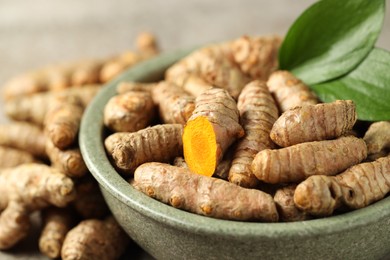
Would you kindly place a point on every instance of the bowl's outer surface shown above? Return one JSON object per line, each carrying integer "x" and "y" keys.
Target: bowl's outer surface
{"x": 169, "y": 233}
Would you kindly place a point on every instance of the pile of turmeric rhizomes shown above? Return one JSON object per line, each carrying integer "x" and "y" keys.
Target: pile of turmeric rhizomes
{"x": 41, "y": 167}
{"x": 258, "y": 145}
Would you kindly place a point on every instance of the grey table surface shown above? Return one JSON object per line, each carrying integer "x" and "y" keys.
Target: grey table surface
{"x": 41, "y": 32}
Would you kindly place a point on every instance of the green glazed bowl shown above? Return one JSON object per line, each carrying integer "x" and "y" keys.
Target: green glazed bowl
{"x": 168, "y": 233}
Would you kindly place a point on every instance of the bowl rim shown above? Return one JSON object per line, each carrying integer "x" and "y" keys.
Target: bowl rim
{"x": 93, "y": 152}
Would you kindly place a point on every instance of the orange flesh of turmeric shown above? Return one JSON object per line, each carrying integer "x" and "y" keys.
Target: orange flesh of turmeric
{"x": 200, "y": 146}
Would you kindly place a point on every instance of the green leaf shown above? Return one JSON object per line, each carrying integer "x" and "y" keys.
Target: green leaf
{"x": 331, "y": 38}
{"x": 368, "y": 86}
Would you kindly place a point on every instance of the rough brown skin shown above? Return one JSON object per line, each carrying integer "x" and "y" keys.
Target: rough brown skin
{"x": 56, "y": 224}
{"x": 314, "y": 123}
{"x": 34, "y": 108}
{"x": 126, "y": 86}
{"x": 257, "y": 56}
{"x": 203, "y": 195}
{"x": 11, "y": 157}
{"x": 14, "y": 225}
{"x": 357, "y": 187}
{"x": 175, "y": 105}
{"x": 129, "y": 112}
{"x": 212, "y": 65}
{"x": 258, "y": 113}
{"x": 69, "y": 161}
{"x": 288, "y": 212}
{"x": 24, "y": 136}
{"x": 160, "y": 143}
{"x": 62, "y": 121}
{"x": 212, "y": 128}
{"x": 289, "y": 91}
{"x": 377, "y": 138}
{"x": 95, "y": 239}
{"x": 89, "y": 202}
{"x": 298, "y": 162}
{"x": 25, "y": 189}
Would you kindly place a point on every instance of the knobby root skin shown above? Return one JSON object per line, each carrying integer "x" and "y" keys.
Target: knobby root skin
{"x": 357, "y": 187}
{"x": 203, "y": 195}
{"x": 95, "y": 239}
{"x": 69, "y": 161}
{"x": 257, "y": 56}
{"x": 11, "y": 157}
{"x": 377, "y": 137}
{"x": 36, "y": 186}
{"x": 298, "y": 162}
{"x": 34, "y": 108}
{"x": 129, "y": 112}
{"x": 24, "y": 136}
{"x": 314, "y": 123}
{"x": 89, "y": 202}
{"x": 159, "y": 143}
{"x": 211, "y": 65}
{"x": 284, "y": 200}
{"x": 258, "y": 113}
{"x": 56, "y": 224}
{"x": 25, "y": 189}
{"x": 62, "y": 120}
{"x": 175, "y": 105}
{"x": 126, "y": 86}
{"x": 14, "y": 225}
{"x": 212, "y": 128}
{"x": 289, "y": 91}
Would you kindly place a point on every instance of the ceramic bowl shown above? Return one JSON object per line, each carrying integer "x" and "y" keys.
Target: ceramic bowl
{"x": 168, "y": 233}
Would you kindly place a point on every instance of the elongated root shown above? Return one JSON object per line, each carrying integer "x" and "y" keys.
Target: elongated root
{"x": 24, "y": 136}
{"x": 56, "y": 224}
{"x": 258, "y": 112}
{"x": 196, "y": 193}
{"x": 314, "y": 123}
{"x": 160, "y": 143}
{"x": 290, "y": 164}
{"x": 34, "y": 108}
{"x": 211, "y": 129}
{"x": 289, "y": 91}
{"x": 62, "y": 120}
{"x": 357, "y": 187}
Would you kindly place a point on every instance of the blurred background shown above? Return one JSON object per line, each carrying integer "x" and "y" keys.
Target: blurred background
{"x": 41, "y": 32}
